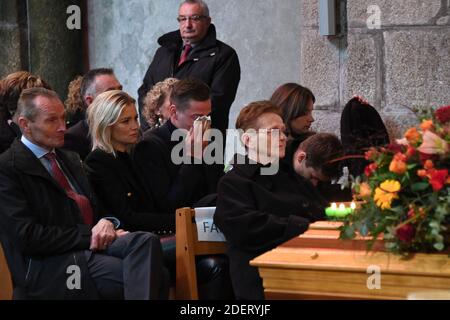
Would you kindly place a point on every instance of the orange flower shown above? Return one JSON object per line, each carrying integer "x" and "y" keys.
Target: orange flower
{"x": 422, "y": 173}
{"x": 427, "y": 125}
{"x": 398, "y": 164}
{"x": 398, "y": 167}
{"x": 428, "y": 164}
{"x": 413, "y": 136}
{"x": 365, "y": 190}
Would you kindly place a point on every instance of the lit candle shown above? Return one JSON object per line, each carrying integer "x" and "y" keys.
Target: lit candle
{"x": 341, "y": 211}
{"x": 331, "y": 211}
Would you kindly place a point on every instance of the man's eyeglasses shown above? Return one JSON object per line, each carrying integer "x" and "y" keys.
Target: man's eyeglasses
{"x": 196, "y": 18}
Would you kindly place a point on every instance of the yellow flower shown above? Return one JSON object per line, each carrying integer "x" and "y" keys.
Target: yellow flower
{"x": 391, "y": 186}
{"x": 386, "y": 192}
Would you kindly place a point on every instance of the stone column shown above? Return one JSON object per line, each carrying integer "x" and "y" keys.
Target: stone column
{"x": 10, "y": 35}
{"x": 41, "y": 42}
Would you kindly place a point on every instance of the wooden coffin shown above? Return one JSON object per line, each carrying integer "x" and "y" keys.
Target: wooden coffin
{"x": 317, "y": 265}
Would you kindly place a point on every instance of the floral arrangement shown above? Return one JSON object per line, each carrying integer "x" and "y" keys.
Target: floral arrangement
{"x": 405, "y": 190}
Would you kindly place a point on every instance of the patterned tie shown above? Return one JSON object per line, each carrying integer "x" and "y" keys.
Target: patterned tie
{"x": 84, "y": 205}
{"x": 184, "y": 55}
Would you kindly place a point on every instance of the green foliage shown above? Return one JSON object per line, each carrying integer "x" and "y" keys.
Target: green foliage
{"x": 408, "y": 201}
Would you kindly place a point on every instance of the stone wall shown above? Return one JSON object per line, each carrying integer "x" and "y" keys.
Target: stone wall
{"x": 403, "y": 63}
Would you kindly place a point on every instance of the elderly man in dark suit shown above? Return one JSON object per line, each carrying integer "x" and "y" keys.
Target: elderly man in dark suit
{"x": 193, "y": 51}
{"x": 56, "y": 246}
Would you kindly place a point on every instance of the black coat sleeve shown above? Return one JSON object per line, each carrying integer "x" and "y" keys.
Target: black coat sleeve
{"x": 245, "y": 226}
{"x": 35, "y": 239}
{"x": 173, "y": 187}
{"x": 121, "y": 201}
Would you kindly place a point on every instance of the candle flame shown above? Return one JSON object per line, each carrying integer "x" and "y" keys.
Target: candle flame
{"x": 334, "y": 206}
{"x": 353, "y": 206}
{"x": 341, "y": 206}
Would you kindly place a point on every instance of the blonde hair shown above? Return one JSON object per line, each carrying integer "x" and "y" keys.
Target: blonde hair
{"x": 155, "y": 98}
{"x": 104, "y": 112}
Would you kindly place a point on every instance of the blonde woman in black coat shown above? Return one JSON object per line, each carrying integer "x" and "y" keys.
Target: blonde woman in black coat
{"x": 114, "y": 128}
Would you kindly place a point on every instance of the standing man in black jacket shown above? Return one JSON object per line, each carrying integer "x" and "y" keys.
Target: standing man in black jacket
{"x": 193, "y": 51}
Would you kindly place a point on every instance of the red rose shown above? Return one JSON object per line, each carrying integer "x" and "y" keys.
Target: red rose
{"x": 443, "y": 114}
{"x": 424, "y": 157}
{"x": 371, "y": 154}
{"x": 410, "y": 152}
{"x": 370, "y": 169}
{"x": 406, "y": 233}
{"x": 395, "y": 148}
{"x": 438, "y": 179}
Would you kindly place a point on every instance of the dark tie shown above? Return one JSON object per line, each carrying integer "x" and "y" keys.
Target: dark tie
{"x": 184, "y": 54}
{"x": 83, "y": 203}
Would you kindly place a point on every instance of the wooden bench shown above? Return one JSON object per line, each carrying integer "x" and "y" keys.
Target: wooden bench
{"x": 187, "y": 248}
{"x": 5, "y": 278}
